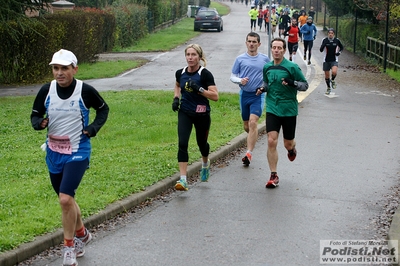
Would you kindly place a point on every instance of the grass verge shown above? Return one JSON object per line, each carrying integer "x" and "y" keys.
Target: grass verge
{"x": 393, "y": 74}
{"x": 107, "y": 69}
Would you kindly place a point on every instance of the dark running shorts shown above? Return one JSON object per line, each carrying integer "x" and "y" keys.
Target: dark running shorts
{"x": 326, "y": 66}
{"x": 68, "y": 180}
{"x": 288, "y": 124}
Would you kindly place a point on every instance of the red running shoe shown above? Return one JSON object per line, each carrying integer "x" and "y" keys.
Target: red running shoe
{"x": 273, "y": 181}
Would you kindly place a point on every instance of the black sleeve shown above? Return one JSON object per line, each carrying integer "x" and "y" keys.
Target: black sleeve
{"x": 178, "y": 75}
{"x": 286, "y": 33}
{"x": 39, "y": 109}
{"x": 207, "y": 78}
{"x": 92, "y": 99}
{"x": 322, "y": 45}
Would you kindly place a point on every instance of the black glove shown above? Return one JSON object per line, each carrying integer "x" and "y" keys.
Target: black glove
{"x": 175, "y": 104}
{"x": 263, "y": 89}
{"x": 290, "y": 82}
{"x": 337, "y": 54}
{"x": 195, "y": 88}
{"x": 315, "y": 36}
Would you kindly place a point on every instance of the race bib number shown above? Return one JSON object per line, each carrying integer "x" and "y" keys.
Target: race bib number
{"x": 60, "y": 144}
{"x": 201, "y": 109}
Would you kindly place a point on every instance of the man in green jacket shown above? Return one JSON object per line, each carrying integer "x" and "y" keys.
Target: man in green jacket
{"x": 282, "y": 80}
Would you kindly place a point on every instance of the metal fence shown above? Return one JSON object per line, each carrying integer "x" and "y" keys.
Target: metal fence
{"x": 376, "y": 50}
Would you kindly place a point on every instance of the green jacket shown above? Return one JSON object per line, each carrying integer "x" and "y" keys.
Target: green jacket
{"x": 281, "y": 100}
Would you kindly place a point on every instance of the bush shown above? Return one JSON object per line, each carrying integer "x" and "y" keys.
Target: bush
{"x": 87, "y": 30}
{"x": 169, "y": 10}
{"x": 131, "y": 23}
{"x": 25, "y": 58}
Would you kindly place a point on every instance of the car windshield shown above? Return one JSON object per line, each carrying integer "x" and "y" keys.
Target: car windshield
{"x": 207, "y": 13}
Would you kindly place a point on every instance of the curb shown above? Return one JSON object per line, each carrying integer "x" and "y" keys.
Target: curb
{"x": 41, "y": 243}
{"x": 394, "y": 230}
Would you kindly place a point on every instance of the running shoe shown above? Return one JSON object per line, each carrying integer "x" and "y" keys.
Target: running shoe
{"x": 81, "y": 242}
{"x": 309, "y": 63}
{"x": 328, "y": 91}
{"x": 273, "y": 181}
{"x": 181, "y": 185}
{"x": 246, "y": 159}
{"x": 333, "y": 84}
{"x": 292, "y": 154}
{"x": 205, "y": 172}
{"x": 305, "y": 57}
{"x": 69, "y": 257}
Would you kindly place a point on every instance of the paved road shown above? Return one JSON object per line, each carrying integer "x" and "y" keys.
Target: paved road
{"x": 347, "y": 161}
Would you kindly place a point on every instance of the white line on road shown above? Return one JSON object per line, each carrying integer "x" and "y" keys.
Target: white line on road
{"x": 314, "y": 83}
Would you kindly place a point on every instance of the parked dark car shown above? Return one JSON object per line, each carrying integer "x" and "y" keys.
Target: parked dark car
{"x": 208, "y": 19}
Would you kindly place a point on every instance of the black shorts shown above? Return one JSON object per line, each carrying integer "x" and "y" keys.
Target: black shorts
{"x": 326, "y": 66}
{"x": 288, "y": 124}
{"x": 292, "y": 47}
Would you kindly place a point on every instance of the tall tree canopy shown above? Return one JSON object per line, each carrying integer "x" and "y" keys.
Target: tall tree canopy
{"x": 15, "y": 11}
{"x": 339, "y": 7}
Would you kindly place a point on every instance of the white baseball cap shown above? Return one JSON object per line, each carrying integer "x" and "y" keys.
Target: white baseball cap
{"x": 64, "y": 58}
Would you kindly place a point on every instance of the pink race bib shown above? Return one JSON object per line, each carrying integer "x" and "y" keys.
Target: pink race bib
{"x": 201, "y": 109}
{"x": 60, "y": 144}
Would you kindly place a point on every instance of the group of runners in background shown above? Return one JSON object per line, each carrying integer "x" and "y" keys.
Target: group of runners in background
{"x": 298, "y": 26}
{"x": 280, "y": 16}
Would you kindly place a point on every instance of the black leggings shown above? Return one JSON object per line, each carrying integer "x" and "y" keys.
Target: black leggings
{"x": 202, "y": 126}
{"x": 253, "y": 23}
{"x": 308, "y": 45}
